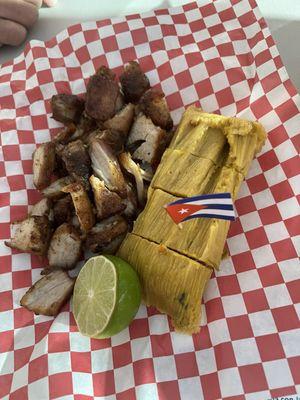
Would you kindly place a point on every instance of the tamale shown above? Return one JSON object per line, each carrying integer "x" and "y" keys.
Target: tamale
{"x": 208, "y": 154}
{"x": 170, "y": 281}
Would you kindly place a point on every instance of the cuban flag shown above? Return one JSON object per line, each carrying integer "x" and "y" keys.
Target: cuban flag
{"x": 217, "y": 205}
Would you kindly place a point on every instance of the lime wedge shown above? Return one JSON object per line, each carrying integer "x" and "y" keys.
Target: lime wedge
{"x": 95, "y": 294}
{"x": 106, "y": 296}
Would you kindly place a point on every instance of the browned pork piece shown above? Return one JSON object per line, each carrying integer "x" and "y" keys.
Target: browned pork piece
{"x": 60, "y": 167}
{"x": 32, "y": 235}
{"x": 150, "y": 140}
{"x": 43, "y": 165}
{"x": 134, "y": 82}
{"x": 59, "y": 149}
{"x": 109, "y": 74}
{"x": 67, "y": 108}
{"x": 77, "y": 162}
{"x": 102, "y": 94}
{"x": 63, "y": 210}
{"x": 41, "y": 208}
{"x": 104, "y": 232}
{"x": 117, "y": 128}
{"x": 54, "y": 190}
{"x": 82, "y": 204}
{"x": 122, "y": 121}
{"x": 49, "y": 294}
{"x": 85, "y": 126}
{"x": 106, "y": 167}
{"x": 112, "y": 138}
{"x": 107, "y": 202}
{"x": 153, "y": 104}
{"x": 65, "y": 247}
{"x": 96, "y": 134}
{"x": 106, "y": 72}
{"x": 65, "y": 134}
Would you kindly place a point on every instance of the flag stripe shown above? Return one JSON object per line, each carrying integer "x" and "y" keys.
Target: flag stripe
{"x": 217, "y": 206}
{"x": 210, "y": 201}
{"x": 215, "y": 212}
{"x": 227, "y": 217}
{"x": 203, "y": 197}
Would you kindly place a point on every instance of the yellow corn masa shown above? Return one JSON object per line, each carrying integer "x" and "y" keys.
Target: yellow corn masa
{"x": 159, "y": 270}
{"x": 208, "y": 154}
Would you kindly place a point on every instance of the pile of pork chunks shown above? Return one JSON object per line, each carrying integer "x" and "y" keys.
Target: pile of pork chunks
{"x": 93, "y": 176}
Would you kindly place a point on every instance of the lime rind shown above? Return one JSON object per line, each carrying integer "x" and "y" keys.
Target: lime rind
{"x": 128, "y": 298}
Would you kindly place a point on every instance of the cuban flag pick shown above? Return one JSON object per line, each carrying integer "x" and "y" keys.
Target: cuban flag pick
{"x": 217, "y": 205}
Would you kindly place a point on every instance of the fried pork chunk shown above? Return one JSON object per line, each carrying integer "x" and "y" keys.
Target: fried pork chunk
{"x": 77, "y": 162}
{"x": 122, "y": 121}
{"x": 105, "y": 72}
{"x": 134, "y": 82}
{"x": 117, "y": 128}
{"x": 150, "y": 140}
{"x": 106, "y": 167}
{"x": 65, "y": 134}
{"x": 41, "y": 208}
{"x": 63, "y": 210}
{"x": 54, "y": 190}
{"x": 49, "y": 294}
{"x": 96, "y": 134}
{"x": 67, "y": 108}
{"x": 113, "y": 139}
{"x": 107, "y": 202}
{"x": 102, "y": 94}
{"x": 65, "y": 247}
{"x": 85, "y": 126}
{"x": 109, "y": 74}
{"x": 104, "y": 232}
{"x": 82, "y": 204}
{"x": 32, "y": 235}
{"x": 43, "y": 165}
{"x": 153, "y": 104}
{"x": 60, "y": 167}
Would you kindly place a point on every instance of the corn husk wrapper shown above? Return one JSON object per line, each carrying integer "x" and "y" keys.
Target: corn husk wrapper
{"x": 208, "y": 154}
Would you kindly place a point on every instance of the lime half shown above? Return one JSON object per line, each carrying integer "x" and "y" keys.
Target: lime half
{"x": 106, "y": 296}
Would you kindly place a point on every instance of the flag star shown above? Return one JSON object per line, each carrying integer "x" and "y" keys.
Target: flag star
{"x": 183, "y": 211}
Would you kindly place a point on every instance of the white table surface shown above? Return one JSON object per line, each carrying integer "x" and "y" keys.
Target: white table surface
{"x": 283, "y": 18}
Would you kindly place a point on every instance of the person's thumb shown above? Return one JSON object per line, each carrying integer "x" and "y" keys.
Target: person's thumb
{"x": 50, "y": 3}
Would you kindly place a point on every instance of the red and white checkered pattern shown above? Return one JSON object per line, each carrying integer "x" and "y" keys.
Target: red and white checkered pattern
{"x": 222, "y": 57}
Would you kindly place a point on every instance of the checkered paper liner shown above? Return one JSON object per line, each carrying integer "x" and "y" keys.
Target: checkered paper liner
{"x": 221, "y": 56}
